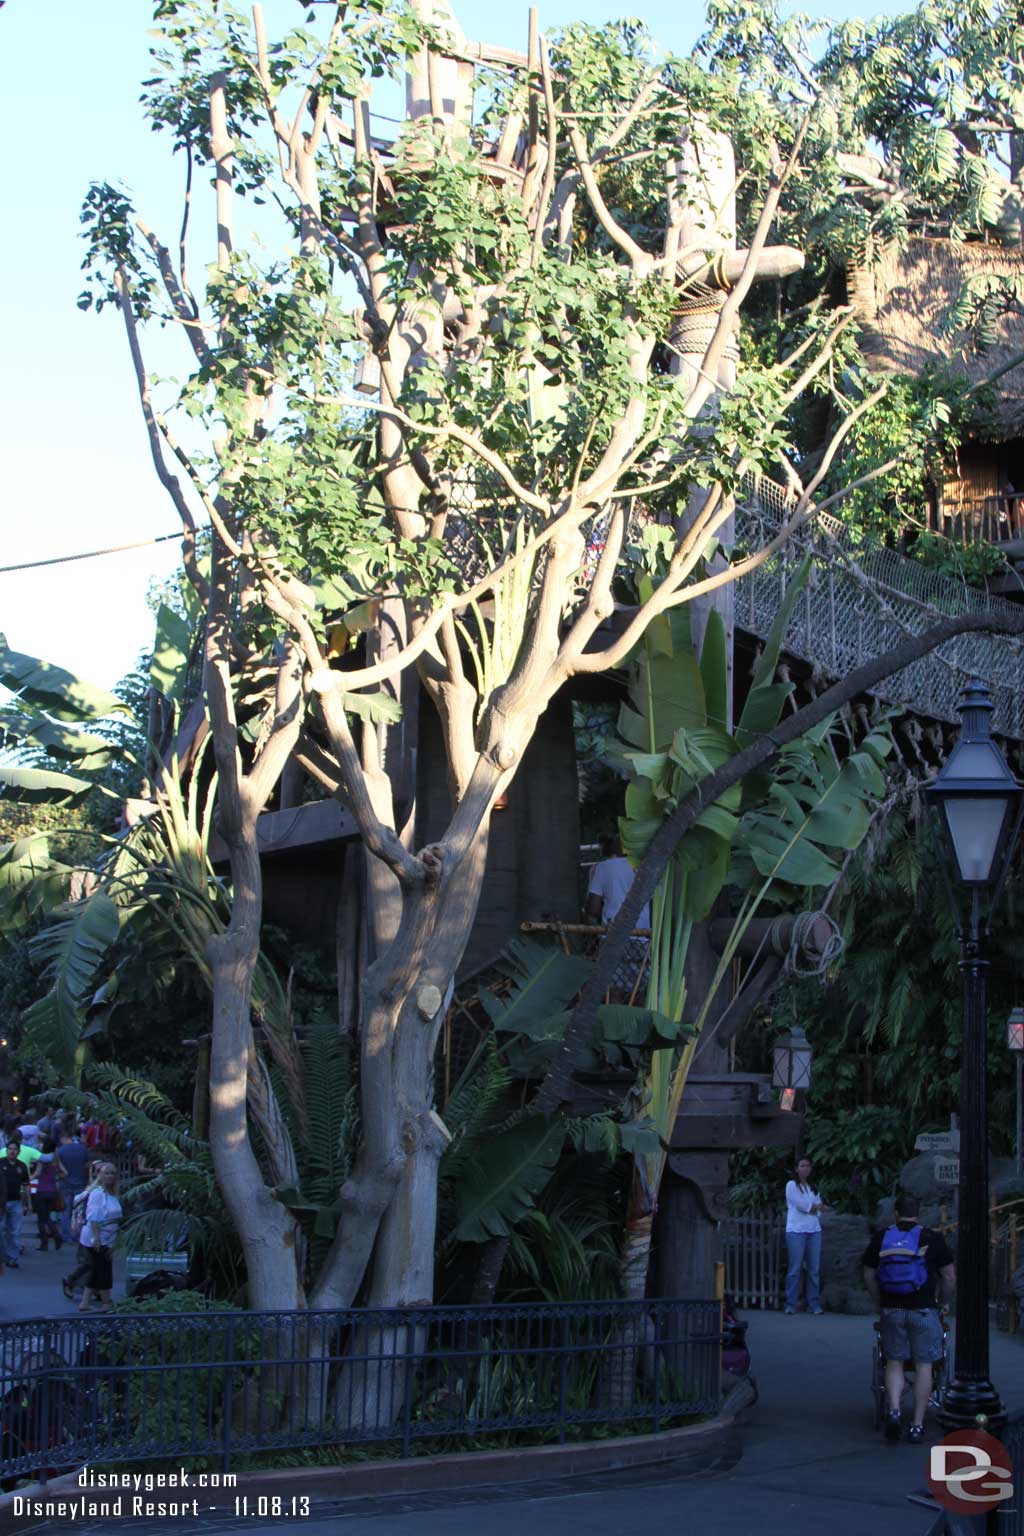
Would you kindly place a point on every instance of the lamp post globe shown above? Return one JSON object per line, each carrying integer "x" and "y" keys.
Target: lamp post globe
{"x": 979, "y": 804}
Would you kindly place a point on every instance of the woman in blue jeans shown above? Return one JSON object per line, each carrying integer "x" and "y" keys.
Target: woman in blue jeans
{"x": 803, "y": 1239}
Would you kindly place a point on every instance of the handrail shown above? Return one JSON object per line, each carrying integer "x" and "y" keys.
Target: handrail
{"x": 863, "y": 599}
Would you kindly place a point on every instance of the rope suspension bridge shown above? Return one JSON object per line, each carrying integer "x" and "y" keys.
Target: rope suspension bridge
{"x": 862, "y": 599}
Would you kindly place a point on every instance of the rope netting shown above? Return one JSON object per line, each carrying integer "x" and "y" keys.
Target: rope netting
{"x": 862, "y": 599}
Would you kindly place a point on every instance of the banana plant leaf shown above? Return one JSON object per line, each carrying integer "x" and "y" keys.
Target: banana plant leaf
{"x": 31, "y": 882}
{"x": 545, "y": 980}
{"x": 815, "y": 808}
{"x": 58, "y": 692}
{"x": 83, "y": 750}
{"x": 502, "y": 1184}
{"x": 172, "y": 646}
{"x": 41, "y": 786}
{"x": 714, "y": 671}
{"x": 762, "y": 709}
{"x": 642, "y": 1027}
{"x": 73, "y": 947}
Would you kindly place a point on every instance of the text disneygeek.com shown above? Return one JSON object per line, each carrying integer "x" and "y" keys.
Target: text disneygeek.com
{"x": 152, "y": 1496}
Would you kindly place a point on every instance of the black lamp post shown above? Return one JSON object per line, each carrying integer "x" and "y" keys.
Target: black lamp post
{"x": 980, "y": 804}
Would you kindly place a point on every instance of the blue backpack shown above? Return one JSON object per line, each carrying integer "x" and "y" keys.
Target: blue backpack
{"x": 901, "y": 1263}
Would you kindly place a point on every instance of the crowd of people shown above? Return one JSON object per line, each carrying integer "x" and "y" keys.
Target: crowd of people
{"x": 59, "y": 1169}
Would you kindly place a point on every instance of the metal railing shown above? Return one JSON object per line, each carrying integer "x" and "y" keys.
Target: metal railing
{"x": 124, "y": 1388}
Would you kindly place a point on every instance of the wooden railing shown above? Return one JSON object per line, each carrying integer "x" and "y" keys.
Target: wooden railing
{"x": 983, "y": 519}
{"x": 755, "y": 1263}
{"x": 1006, "y": 1252}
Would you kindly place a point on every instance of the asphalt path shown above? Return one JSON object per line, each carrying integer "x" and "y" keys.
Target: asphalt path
{"x": 812, "y": 1461}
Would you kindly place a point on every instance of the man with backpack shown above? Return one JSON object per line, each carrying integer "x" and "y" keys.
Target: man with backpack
{"x": 904, "y": 1266}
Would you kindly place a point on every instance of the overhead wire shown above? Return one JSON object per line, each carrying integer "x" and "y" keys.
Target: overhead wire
{"x": 89, "y": 554}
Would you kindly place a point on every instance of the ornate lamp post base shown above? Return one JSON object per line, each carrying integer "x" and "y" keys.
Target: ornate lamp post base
{"x": 973, "y": 1405}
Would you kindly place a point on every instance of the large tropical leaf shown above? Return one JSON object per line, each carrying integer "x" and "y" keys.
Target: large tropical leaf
{"x": 714, "y": 671}
{"x": 73, "y": 946}
{"x": 40, "y": 786}
{"x": 31, "y": 882}
{"x": 666, "y": 689}
{"x": 816, "y": 806}
{"x": 763, "y": 706}
{"x": 57, "y": 739}
{"x": 545, "y": 979}
{"x": 501, "y": 1185}
{"x": 49, "y": 687}
{"x": 646, "y": 1027}
{"x": 172, "y": 645}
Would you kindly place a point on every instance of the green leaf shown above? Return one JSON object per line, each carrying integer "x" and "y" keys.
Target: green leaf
{"x": 31, "y": 882}
{"x": 705, "y": 880}
{"x": 40, "y": 786}
{"x": 714, "y": 670}
{"x": 73, "y": 946}
{"x": 801, "y": 864}
{"x": 646, "y": 1027}
{"x": 172, "y": 645}
{"x": 509, "y": 1172}
{"x": 60, "y": 693}
{"x": 377, "y": 708}
{"x": 639, "y": 1137}
{"x": 756, "y": 717}
{"x": 80, "y": 748}
{"x": 546, "y": 978}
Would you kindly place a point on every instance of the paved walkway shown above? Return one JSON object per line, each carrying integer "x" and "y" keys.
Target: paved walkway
{"x": 33, "y": 1289}
{"x": 811, "y": 1461}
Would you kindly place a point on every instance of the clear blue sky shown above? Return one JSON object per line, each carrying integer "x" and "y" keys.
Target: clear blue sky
{"x": 76, "y": 470}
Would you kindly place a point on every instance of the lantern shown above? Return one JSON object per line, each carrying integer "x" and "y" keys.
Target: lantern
{"x": 791, "y": 1060}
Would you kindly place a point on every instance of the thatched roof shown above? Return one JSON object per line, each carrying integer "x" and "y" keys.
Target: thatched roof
{"x": 905, "y": 298}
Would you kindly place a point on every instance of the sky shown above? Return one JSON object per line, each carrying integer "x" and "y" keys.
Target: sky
{"x": 76, "y": 473}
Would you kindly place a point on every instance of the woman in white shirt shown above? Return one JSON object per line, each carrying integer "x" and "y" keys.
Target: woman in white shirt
{"x": 102, "y": 1219}
{"x": 803, "y": 1239}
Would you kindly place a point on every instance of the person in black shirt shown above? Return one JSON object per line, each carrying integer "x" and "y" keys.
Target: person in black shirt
{"x": 911, "y": 1327}
{"x": 14, "y": 1192}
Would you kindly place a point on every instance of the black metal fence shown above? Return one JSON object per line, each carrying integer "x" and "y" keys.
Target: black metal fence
{"x": 119, "y": 1388}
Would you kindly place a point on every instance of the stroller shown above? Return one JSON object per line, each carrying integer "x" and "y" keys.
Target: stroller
{"x": 736, "y": 1357}
{"x": 940, "y": 1374}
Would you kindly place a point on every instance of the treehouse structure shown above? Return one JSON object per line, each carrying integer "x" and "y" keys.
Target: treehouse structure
{"x": 907, "y": 302}
{"x": 532, "y": 869}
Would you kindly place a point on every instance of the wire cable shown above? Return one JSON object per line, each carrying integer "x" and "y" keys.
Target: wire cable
{"x": 89, "y": 554}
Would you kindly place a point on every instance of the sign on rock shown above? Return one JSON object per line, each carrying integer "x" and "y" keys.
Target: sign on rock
{"x": 938, "y": 1141}
{"x": 947, "y": 1170}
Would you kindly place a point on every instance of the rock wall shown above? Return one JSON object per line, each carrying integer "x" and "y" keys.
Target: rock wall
{"x": 843, "y": 1240}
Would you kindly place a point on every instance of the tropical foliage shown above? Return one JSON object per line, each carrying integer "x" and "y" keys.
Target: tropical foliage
{"x": 886, "y": 1024}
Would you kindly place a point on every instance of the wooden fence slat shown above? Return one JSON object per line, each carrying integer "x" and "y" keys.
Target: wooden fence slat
{"x": 752, "y": 1248}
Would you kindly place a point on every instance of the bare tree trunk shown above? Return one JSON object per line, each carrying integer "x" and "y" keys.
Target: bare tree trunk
{"x": 404, "y": 1253}
{"x": 265, "y": 1227}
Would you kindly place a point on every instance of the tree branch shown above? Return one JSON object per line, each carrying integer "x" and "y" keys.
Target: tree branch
{"x": 557, "y": 1085}
{"x": 170, "y": 483}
